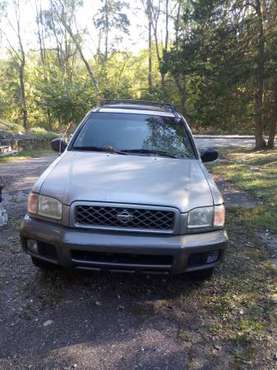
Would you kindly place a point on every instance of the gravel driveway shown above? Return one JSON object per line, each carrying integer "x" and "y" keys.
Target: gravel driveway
{"x": 67, "y": 320}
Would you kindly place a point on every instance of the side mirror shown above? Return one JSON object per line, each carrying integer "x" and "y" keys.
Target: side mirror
{"x": 209, "y": 155}
{"x": 58, "y": 145}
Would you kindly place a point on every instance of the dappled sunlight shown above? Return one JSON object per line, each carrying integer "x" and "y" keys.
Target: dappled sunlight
{"x": 258, "y": 157}
{"x": 255, "y": 172}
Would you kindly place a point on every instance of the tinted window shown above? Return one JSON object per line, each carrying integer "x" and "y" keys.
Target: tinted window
{"x": 134, "y": 132}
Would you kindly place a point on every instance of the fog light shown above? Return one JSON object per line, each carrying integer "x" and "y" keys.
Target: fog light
{"x": 212, "y": 257}
{"x": 32, "y": 246}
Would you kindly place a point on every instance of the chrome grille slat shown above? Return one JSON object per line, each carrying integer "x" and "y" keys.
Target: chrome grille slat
{"x": 125, "y": 218}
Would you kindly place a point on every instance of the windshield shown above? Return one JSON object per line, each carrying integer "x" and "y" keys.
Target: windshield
{"x": 139, "y": 134}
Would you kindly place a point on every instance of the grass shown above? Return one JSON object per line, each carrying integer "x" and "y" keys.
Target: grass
{"x": 25, "y": 154}
{"x": 237, "y": 305}
{"x": 235, "y": 311}
{"x": 256, "y": 173}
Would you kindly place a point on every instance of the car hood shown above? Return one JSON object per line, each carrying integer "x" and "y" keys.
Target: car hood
{"x": 104, "y": 177}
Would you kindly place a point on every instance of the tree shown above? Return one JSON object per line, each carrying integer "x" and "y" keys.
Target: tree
{"x": 270, "y": 101}
{"x": 221, "y": 64}
{"x": 111, "y": 16}
{"x": 148, "y": 12}
{"x": 64, "y": 11}
{"x": 215, "y": 59}
{"x": 161, "y": 46}
{"x": 260, "y": 60}
{"x": 17, "y": 53}
{"x": 159, "y": 15}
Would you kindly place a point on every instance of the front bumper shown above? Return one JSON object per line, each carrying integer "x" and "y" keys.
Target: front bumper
{"x": 99, "y": 250}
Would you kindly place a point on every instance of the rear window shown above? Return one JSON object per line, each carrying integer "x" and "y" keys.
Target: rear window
{"x": 135, "y": 132}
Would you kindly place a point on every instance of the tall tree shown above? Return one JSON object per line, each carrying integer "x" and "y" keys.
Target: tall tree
{"x": 159, "y": 17}
{"x": 111, "y": 17}
{"x": 18, "y": 55}
{"x": 64, "y": 11}
{"x": 271, "y": 70}
{"x": 222, "y": 51}
{"x": 260, "y": 70}
{"x": 148, "y": 12}
{"x": 162, "y": 15}
{"x": 258, "y": 19}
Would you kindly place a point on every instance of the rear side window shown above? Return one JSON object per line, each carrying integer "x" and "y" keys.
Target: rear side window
{"x": 134, "y": 132}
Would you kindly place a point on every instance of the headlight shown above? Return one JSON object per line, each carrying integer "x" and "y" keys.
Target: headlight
{"x": 42, "y": 205}
{"x": 200, "y": 217}
{"x": 206, "y": 217}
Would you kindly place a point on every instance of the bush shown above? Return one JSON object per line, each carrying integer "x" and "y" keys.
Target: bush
{"x": 10, "y": 127}
{"x": 42, "y": 133}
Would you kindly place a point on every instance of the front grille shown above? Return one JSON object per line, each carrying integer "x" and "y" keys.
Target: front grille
{"x": 124, "y": 218}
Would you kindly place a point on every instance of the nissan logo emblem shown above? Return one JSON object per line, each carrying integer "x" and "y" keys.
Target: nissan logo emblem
{"x": 124, "y": 217}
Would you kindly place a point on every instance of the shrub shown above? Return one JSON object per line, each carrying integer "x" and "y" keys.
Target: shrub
{"x": 42, "y": 133}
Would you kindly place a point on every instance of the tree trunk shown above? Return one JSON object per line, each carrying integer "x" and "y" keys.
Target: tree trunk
{"x": 21, "y": 70}
{"x": 182, "y": 91}
{"x": 177, "y": 25}
{"x": 106, "y": 30}
{"x": 272, "y": 134}
{"x": 163, "y": 81}
{"x": 40, "y": 35}
{"x": 259, "y": 137}
{"x": 150, "y": 84}
{"x": 166, "y": 25}
{"x": 80, "y": 51}
{"x": 78, "y": 47}
{"x": 23, "y": 96}
{"x": 272, "y": 128}
{"x": 259, "y": 127}
{"x": 41, "y": 39}
{"x": 49, "y": 120}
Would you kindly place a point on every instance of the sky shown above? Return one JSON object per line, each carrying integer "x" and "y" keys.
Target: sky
{"x": 136, "y": 40}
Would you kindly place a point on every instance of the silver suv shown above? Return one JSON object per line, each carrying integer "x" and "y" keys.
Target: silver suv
{"x": 128, "y": 193}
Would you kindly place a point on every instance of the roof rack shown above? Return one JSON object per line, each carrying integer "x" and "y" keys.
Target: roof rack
{"x": 167, "y": 106}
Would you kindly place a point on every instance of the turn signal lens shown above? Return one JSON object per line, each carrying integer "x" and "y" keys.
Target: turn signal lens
{"x": 32, "y": 203}
{"x": 219, "y": 216}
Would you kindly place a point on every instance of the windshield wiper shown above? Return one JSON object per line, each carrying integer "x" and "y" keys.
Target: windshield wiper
{"x": 149, "y": 152}
{"x": 106, "y": 149}
{"x": 111, "y": 149}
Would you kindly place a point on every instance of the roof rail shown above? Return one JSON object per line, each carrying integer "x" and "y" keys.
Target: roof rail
{"x": 167, "y": 106}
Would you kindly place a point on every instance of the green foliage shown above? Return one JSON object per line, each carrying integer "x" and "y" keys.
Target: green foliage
{"x": 215, "y": 59}
{"x": 210, "y": 70}
{"x": 10, "y": 127}
{"x": 64, "y": 100}
{"x": 9, "y": 92}
{"x": 110, "y": 16}
{"x": 43, "y": 133}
